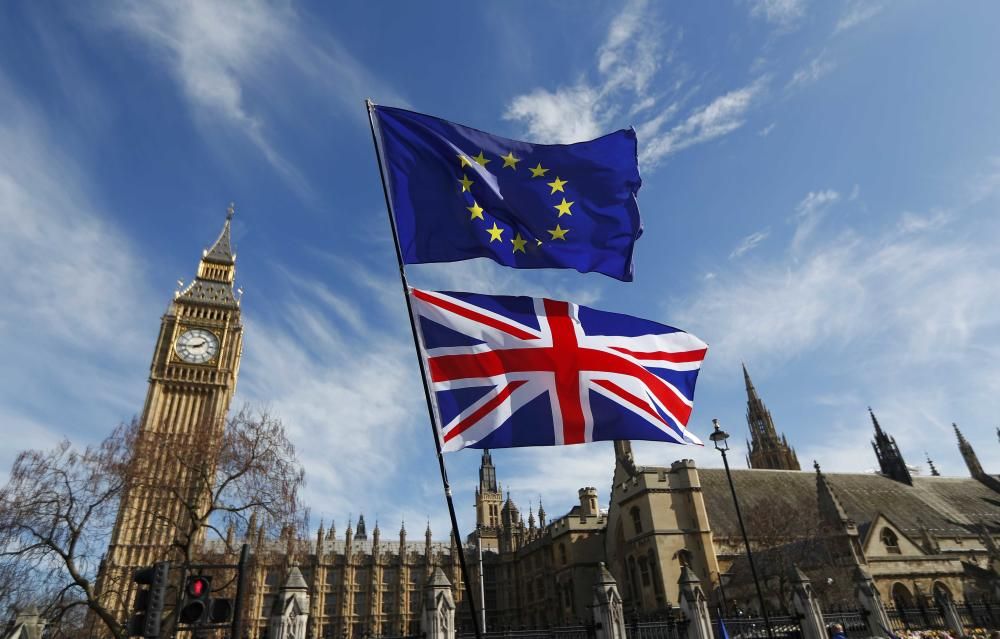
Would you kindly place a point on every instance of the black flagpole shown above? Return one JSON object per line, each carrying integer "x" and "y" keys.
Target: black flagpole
{"x": 423, "y": 377}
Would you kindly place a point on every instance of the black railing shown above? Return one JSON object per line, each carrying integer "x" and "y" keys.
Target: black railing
{"x": 673, "y": 627}
{"x": 562, "y": 632}
{"x": 853, "y": 621}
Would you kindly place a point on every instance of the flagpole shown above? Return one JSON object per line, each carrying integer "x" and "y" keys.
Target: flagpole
{"x": 423, "y": 376}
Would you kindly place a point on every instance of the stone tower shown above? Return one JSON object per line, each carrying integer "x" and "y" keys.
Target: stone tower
{"x": 890, "y": 460}
{"x": 767, "y": 450}
{"x": 489, "y": 501}
{"x": 191, "y": 382}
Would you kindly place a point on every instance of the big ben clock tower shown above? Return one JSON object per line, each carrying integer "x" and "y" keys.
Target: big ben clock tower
{"x": 191, "y": 382}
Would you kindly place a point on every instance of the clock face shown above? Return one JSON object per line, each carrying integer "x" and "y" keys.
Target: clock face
{"x": 197, "y": 346}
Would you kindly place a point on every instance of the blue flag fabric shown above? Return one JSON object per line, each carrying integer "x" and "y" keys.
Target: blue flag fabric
{"x": 723, "y": 633}
{"x": 458, "y": 193}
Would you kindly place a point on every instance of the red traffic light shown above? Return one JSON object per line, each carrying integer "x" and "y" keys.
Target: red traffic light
{"x": 197, "y": 587}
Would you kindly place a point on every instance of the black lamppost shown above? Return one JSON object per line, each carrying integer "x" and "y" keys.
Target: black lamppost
{"x": 719, "y": 437}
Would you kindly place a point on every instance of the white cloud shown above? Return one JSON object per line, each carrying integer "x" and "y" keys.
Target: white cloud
{"x": 925, "y": 296}
{"x": 784, "y": 13}
{"x": 568, "y": 114}
{"x": 816, "y": 69}
{"x": 721, "y": 116}
{"x": 857, "y": 13}
{"x": 236, "y": 62}
{"x": 626, "y": 62}
{"x": 748, "y": 243}
{"x": 911, "y": 222}
{"x": 766, "y": 131}
{"x": 901, "y": 318}
{"x": 809, "y": 213}
{"x": 344, "y": 390}
{"x": 72, "y": 283}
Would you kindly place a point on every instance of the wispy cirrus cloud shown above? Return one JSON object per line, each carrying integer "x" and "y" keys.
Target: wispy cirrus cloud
{"x": 71, "y": 287}
{"x": 719, "y": 117}
{"x": 233, "y": 62}
{"x": 809, "y": 213}
{"x": 912, "y": 298}
{"x": 783, "y": 13}
{"x": 748, "y": 244}
{"x": 627, "y": 64}
{"x": 857, "y": 13}
{"x": 816, "y": 68}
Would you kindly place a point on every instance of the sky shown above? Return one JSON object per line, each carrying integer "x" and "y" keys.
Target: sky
{"x": 821, "y": 189}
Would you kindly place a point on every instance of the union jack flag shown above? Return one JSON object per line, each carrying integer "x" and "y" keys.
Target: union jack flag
{"x": 522, "y": 371}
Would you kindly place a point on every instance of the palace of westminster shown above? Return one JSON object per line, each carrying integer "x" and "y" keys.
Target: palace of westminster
{"x": 915, "y": 535}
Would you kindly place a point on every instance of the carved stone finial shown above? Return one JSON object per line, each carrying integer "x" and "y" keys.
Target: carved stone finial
{"x": 230, "y": 210}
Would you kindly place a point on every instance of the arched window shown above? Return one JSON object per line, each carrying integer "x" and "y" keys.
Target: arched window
{"x": 633, "y": 579}
{"x": 657, "y": 586}
{"x": 644, "y": 570}
{"x": 901, "y": 596}
{"x": 636, "y": 519}
{"x": 941, "y": 592}
{"x": 890, "y": 540}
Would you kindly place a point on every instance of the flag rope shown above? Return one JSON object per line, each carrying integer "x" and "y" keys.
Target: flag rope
{"x": 423, "y": 376}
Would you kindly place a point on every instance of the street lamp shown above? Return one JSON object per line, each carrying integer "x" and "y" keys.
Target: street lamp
{"x": 719, "y": 437}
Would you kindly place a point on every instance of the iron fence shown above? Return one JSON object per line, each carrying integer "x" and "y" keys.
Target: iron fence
{"x": 915, "y": 618}
{"x": 671, "y": 628}
{"x": 853, "y": 621}
{"x": 562, "y": 632}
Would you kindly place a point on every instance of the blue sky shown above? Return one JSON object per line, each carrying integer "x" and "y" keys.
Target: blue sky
{"x": 820, "y": 198}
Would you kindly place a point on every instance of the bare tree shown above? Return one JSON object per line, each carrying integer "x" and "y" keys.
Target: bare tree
{"x": 783, "y": 540}
{"x": 251, "y": 473}
{"x": 56, "y": 514}
{"x": 59, "y": 507}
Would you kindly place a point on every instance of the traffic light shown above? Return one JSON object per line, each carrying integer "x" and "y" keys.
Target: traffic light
{"x": 200, "y": 607}
{"x": 197, "y": 597}
{"x": 149, "y": 598}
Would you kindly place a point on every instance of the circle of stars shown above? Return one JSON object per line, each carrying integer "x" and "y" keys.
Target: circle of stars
{"x": 510, "y": 161}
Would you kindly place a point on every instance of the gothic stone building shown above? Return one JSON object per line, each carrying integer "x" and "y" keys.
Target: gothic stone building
{"x": 916, "y": 535}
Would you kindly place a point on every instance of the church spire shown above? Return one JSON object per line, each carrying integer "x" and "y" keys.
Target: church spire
{"x": 751, "y": 391}
{"x": 890, "y": 460}
{"x": 930, "y": 464}
{"x": 968, "y": 454}
{"x": 767, "y": 449}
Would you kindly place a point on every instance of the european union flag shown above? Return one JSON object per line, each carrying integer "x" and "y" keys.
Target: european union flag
{"x": 459, "y": 193}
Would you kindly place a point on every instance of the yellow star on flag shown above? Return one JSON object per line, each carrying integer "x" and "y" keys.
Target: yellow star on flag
{"x": 466, "y": 183}
{"x": 557, "y": 185}
{"x": 519, "y": 243}
{"x": 558, "y": 233}
{"x": 510, "y": 160}
{"x": 481, "y": 159}
{"x": 465, "y": 160}
{"x": 563, "y": 208}
{"x": 495, "y": 233}
{"x": 476, "y": 210}
{"x": 538, "y": 171}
